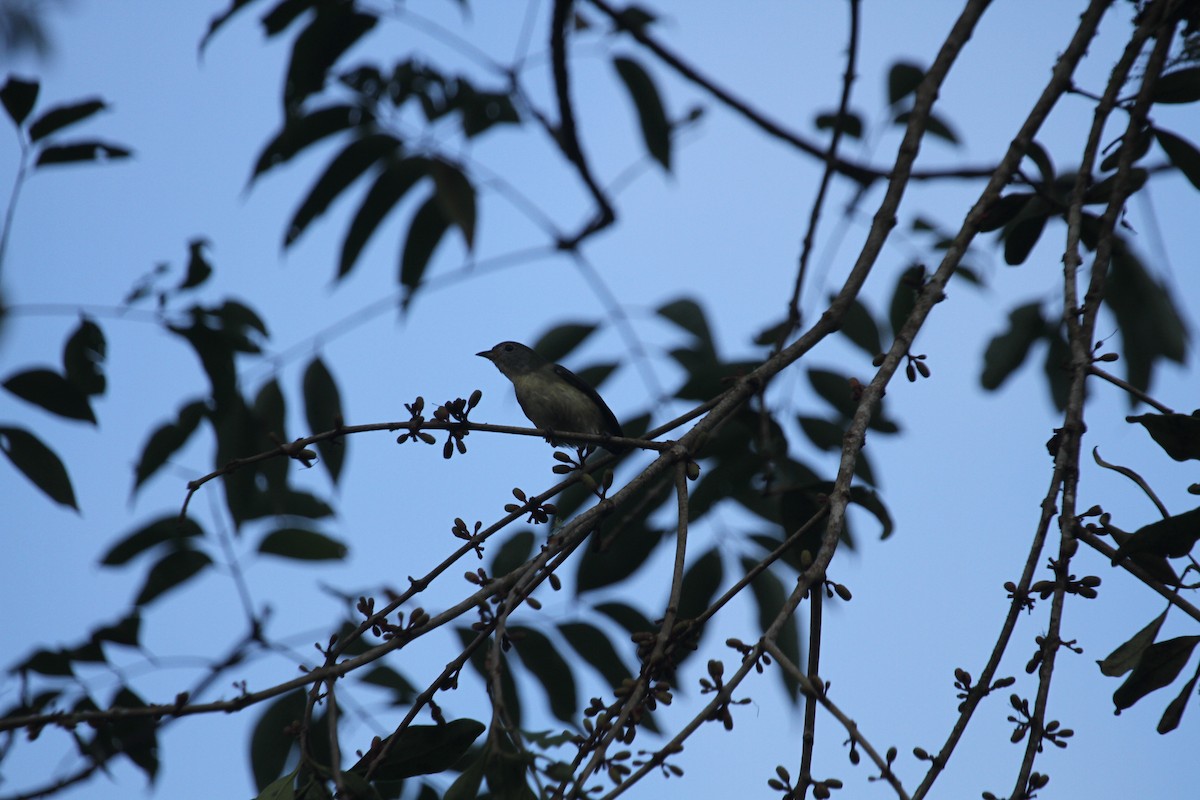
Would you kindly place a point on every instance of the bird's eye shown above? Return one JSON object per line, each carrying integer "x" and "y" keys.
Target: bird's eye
{"x": 508, "y": 348}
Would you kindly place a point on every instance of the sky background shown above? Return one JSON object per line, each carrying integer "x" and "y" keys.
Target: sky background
{"x": 963, "y": 481}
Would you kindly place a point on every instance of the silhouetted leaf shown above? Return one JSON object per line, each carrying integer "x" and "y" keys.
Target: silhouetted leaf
{"x": 198, "y": 268}
{"x": 423, "y": 750}
{"x": 1174, "y": 711}
{"x": 341, "y": 172}
{"x": 1183, "y": 154}
{"x": 617, "y": 560}
{"x": 389, "y": 188}
{"x": 825, "y": 435}
{"x": 514, "y": 552}
{"x": 1172, "y": 537}
{"x": 865, "y": 498}
{"x": 81, "y": 151}
{"x": 769, "y": 597}
{"x": 904, "y": 297}
{"x": 687, "y": 314}
{"x": 323, "y": 411}
{"x": 542, "y": 658}
{"x": 282, "y": 788}
{"x": 1150, "y": 324}
{"x": 299, "y": 132}
{"x": 272, "y": 742}
{"x": 1140, "y": 148}
{"x": 425, "y": 232}
{"x": 1102, "y": 192}
{"x": 333, "y": 30}
{"x": 302, "y": 544}
{"x": 38, "y": 463}
{"x": 1021, "y": 237}
{"x": 167, "y": 440}
{"x": 850, "y": 124}
{"x": 217, "y": 22}
{"x": 1007, "y": 351}
{"x": 859, "y": 327}
{"x": 124, "y": 632}
{"x": 60, "y": 117}
{"x": 18, "y": 97}
{"x": 135, "y": 736}
{"x": 171, "y": 571}
{"x": 934, "y": 126}
{"x": 1178, "y": 434}
{"x": 1003, "y": 210}
{"x": 1127, "y": 656}
{"x": 1038, "y": 155}
{"x": 595, "y": 647}
{"x": 1057, "y": 367}
{"x": 626, "y": 616}
{"x": 1160, "y": 664}
{"x": 903, "y": 80}
{"x": 455, "y": 196}
{"x": 482, "y": 110}
{"x": 560, "y": 341}
{"x": 656, "y": 130}
{"x": 168, "y": 528}
{"x": 1180, "y": 86}
{"x": 51, "y": 392}
{"x": 83, "y": 357}
{"x": 385, "y": 677}
{"x": 700, "y": 584}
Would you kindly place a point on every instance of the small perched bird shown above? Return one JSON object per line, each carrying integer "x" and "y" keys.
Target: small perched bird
{"x": 553, "y": 397}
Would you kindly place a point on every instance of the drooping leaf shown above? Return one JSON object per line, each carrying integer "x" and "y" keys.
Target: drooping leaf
{"x": 656, "y": 129}
{"x": 1150, "y": 323}
{"x": 60, "y": 117}
{"x": 429, "y": 224}
{"x": 388, "y": 190}
{"x": 135, "y": 736}
{"x": 543, "y": 659}
{"x": 345, "y": 168}
{"x": 1174, "y": 711}
{"x": 323, "y": 411}
{"x": 910, "y": 283}
{"x": 1183, "y": 154}
{"x": 124, "y": 632}
{"x": 171, "y": 571}
{"x": 482, "y": 110}
{"x": 18, "y": 97}
{"x": 302, "y": 544}
{"x": 1178, "y": 434}
{"x": 824, "y": 434}
{"x": 455, "y": 196}
{"x": 169, "y": 528}
{"x": 1038, "y": 155}
{"x": 1127, "y": 656}
{"x": 51, "y": 392}
{"x": 271, "y": 743}
{"x": 700, "y": 584}
{"x": 383, "y": 676}
{"x": 1160, "y": 664}
{"x": 217, "y": 22}
{"x": 769, "y": 597}
{"x": 626, "y": 616}
{"x": 39, "y": 464}
{"x": 1007, "y": 351}
{"x": 166, "y": 440}
{"x": 81, "y": 151}
{"x": 1057, "y": 367}
{"x": 1140, "y": 148}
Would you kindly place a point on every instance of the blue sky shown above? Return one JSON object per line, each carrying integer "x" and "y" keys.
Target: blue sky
{"x": 963, "y": 481}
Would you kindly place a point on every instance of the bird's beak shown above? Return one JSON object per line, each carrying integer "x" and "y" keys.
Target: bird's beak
{"x": 485, "y": 354}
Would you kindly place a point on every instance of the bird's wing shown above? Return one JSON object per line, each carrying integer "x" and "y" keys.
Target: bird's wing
{"x": 612, "y": 425}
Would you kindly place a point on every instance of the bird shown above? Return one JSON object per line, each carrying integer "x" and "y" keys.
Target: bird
{"x": 554, "y": 398}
